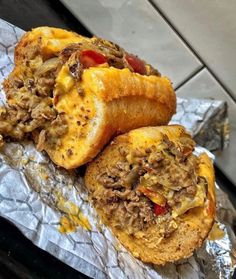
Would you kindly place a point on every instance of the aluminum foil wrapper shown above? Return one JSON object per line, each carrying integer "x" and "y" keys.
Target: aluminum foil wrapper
{"x": 206, "y": 119}
{"x": 32, "y": 188}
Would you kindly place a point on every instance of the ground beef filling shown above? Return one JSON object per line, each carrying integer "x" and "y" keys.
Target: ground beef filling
{"x": 29, "y": 99}
{"x": 114, "y": 56}
{"x": 29, "y": 89}
{"x": 163, "y": 174}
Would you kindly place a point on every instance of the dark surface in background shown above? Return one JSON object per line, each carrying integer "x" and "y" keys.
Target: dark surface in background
{"x": 227, "y": 186}
{"x": 19, "y": 258}
{"x": 28, "y": 14}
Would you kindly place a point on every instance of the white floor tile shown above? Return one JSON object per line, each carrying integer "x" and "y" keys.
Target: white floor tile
{"x": 135, "y": 25}
{"x": 210, "y": 28}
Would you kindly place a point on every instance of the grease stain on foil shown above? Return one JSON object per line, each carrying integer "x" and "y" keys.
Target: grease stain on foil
{"x": 216, "y": 233}
{"x": 72, "y": 217}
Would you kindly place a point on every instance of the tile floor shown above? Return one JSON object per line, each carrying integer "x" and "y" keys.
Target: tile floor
{"x": 192, "y": 42}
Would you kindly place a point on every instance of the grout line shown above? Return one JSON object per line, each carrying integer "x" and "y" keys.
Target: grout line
{"x": 68, "y": 7}
{"x": 188, "y": 78}
{"x": 166, "y": 19}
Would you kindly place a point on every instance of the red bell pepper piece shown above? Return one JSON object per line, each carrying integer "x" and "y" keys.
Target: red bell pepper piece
{"x": 137, "y": 64}
{"x": 159, "y": 210}
{"x": 90, "y": 58}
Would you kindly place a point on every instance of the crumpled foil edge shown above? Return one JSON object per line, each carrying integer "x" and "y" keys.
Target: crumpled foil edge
{"x": 30, "y": 183}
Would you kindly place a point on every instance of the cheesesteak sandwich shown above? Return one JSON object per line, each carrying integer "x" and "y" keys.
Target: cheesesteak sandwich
{"x": 157, "y": 197}
{"x": 72, "y": 94}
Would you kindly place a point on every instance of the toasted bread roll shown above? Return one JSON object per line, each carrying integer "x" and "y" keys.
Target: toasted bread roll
{"x": 73, "y": 94}
{"x": 155, "y": 195}
{"x": 44, "y": 42}
{"x": 29, "y": 87}
{"x": 106, "y": 101}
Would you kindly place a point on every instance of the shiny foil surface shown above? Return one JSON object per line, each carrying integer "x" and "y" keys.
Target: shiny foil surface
{"x": 35, "y": 196}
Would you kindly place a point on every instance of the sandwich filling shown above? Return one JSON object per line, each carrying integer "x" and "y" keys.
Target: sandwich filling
{"x": 30, "y": 88}
{"x": 152, "y": 186}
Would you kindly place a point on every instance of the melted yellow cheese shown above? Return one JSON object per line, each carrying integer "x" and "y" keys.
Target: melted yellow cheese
{"x": 149, "y": 136}
{"x": 79, "y": 111}
{"x": 216, "y": 233}
{"x": 188, "y": 203}
{"x": 53, "y": 40}
{"x": 72, "y": 217}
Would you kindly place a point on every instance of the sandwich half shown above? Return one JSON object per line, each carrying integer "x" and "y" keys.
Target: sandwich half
{"x": 72, "y": 94}
{"x": 157, "y": 197}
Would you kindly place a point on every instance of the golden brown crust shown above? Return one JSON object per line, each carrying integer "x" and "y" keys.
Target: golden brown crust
{"x": 45, "y": 41}
{"x": 118, "y": 101}
{"x": 193, "y": 226}
{"x": 115, "y": 101}
{"x": 117, "y": 84}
